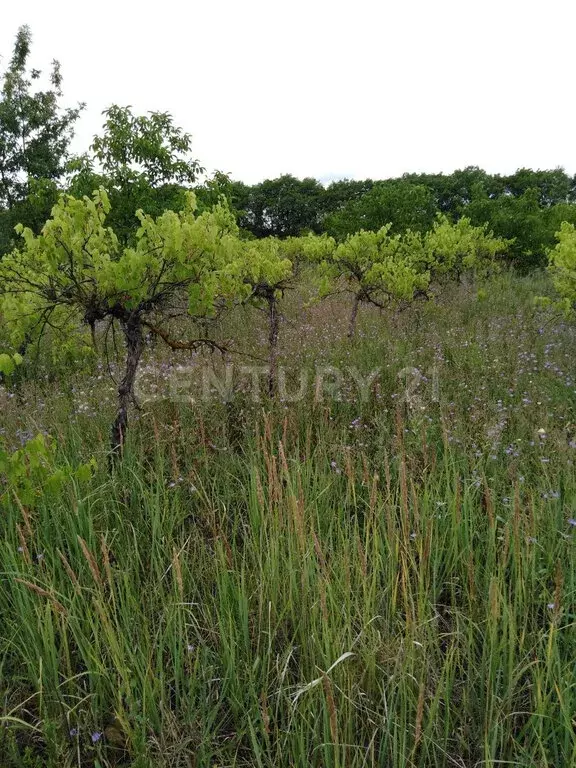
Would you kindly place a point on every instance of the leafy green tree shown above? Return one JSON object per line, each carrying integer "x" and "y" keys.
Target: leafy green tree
{"x": 375, "y": 267}
{"x": 452, "y": 250}
{"x": 35, "y": 135}
{"x": 77, "y": 271}
{"x": 396, "y": 203}
{"x": 267, "y": 269}
{"x": 220, "y": 186}
{"x": 143, "y": 162}
{"x": 553, "y": 186}
{"x": 340, "y": 193}
{"x": 524, "y": 221}
{"x": 453, "y": 192}
{"x": 562, "y": 266}
{"x": 283, "y": 207}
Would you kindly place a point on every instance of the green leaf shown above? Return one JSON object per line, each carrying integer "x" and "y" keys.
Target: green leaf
{"x": 7, "y": 365}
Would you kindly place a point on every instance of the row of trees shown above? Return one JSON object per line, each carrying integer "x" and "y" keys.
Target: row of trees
{"x": 526, "y": 207}
{"x": 78, "y": 273}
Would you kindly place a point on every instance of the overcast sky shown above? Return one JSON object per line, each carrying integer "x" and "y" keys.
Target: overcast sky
{"x": 323, "y": 88}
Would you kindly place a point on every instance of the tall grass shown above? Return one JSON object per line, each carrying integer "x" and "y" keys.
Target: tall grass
{"x": 325, "y": 583}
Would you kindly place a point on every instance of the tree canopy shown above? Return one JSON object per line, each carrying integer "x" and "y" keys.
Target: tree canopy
{"x": 35, "y": 135}
{"x": 77, "y": 272}
{"x": 562, "y": 266}
{"x": 143, "y": 162}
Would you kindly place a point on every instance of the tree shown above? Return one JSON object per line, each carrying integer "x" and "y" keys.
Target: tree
{"x": 376, "y": 268}
{"x": 77, "y": 271}
{"x": 283, "y": 207}
{"x": 553, "y": 186}
{"x": 522, "y": 220}
{"x": 35, "y": 135}
{"x": 339, "y": 193}
{"x": 267, "y": 268}
{"x": 562, "y": 266}
{"x": 219, "y": 186}
{"x": 452, "y": 193}
{"x": 143, "y": 163}
{"x": 266, "y": 272}
{"x": 452, "y": 250}
{"x": 398, "y": 203}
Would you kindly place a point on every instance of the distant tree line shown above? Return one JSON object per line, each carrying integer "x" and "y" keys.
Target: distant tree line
{"x": 527, "y": 206}
{"x": 144, "y": 162}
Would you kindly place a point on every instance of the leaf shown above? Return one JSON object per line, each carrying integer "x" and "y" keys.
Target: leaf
{"x": 318, "y": 680}
{"x": 84, "y": 473}
{"x": 7, "y": 365}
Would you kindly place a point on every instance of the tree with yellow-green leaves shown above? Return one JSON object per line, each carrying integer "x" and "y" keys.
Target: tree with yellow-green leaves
{"x": 562, "y": 267}
{"x": 375, "y": 267}
{"x": 76, "y": 273}
{"x": 453, "y": 250}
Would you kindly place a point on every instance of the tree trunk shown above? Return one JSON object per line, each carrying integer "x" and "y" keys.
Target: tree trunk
{"x": 273, "y": 332}
{"x": 132, "y": 329}
{"x": 93, "y": 334}
{"x": 353, "y": 316}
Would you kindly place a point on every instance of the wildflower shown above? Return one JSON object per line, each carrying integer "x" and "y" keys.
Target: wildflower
{"x": 96, "y": 736}
{"x": 73, "y": 732}
{"x": 572, "y": 521}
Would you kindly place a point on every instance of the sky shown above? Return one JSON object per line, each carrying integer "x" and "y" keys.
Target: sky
{"x": 323, "y": 88}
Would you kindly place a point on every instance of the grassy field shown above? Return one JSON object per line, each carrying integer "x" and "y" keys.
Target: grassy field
{"x": 332, "y": 580}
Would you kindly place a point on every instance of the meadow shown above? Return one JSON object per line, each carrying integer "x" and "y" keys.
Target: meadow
{"x": 347, "y": 578}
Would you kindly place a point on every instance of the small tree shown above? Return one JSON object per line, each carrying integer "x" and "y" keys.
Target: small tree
{"x": 453, "y": 250}
{"x": 267, "y": 269}
{"x": 76, "y": 271}
{"x": 562, "y": 267}
{"x": 376, "y": 268}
